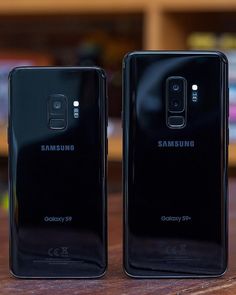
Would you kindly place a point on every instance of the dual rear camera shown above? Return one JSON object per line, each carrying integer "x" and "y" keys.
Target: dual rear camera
{"x": 176, "y": 92}
{"x": 176, "y": 100}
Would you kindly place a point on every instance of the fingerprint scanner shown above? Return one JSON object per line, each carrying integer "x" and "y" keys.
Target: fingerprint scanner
{"x": 176, "y": 121}
{"x": 57, "y": 123}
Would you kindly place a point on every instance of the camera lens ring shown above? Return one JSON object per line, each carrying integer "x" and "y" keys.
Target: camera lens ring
{"x": 175, "y": 87}
{"x": 175, "y": 103}
{"x": 57, "y": 105}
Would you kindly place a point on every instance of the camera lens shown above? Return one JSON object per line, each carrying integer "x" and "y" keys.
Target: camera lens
{"x": 57, "y": 105}
{"x": 175, "y": 87}
{"x": 175, "y": 103}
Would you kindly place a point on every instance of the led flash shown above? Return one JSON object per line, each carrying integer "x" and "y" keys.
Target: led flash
{"x": 76, "y": 103}
{"x": 194, "y": 87}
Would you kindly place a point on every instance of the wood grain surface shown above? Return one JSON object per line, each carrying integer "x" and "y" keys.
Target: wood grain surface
{"x": 115, "y": 281}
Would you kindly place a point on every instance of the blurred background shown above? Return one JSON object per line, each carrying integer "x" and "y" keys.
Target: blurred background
{"x": 100, "y": 32}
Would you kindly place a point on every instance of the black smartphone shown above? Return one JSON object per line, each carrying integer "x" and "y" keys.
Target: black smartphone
{"x": 175, "y": 129}
{"x": 57, "y": 168}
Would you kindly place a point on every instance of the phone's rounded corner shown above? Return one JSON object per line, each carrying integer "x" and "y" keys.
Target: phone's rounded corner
{"x": 102, "y": 274}
{"x": 12, "y": 72}
{"x": 222, "y": 56}
{"x": 16, "y": 70}
{"x": 127, "y": 272}
{"x": 100, "y": 71}
{"x": 128, "y": 56}
{"x": 14, "y": 274}
{"x": 223, "y": 271}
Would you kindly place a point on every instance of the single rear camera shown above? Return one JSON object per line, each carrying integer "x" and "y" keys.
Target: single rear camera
{"x": 57, "y": 105}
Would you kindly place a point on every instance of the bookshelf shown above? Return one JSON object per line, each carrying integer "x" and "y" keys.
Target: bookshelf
{"x": 165, "y": 24}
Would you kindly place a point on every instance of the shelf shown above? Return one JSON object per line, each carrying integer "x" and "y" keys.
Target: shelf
{"x": 165, "y": 25}
{"x": 200, "y": 5}
{"x": 115, "y": 149}
{"x": 157, "y": 19}
{"x": 154, "y": 12}
{"x": 3, "y": 142}
{"x": 37, "y": 7}
{"x": 84, "y": 6}
{"x": 114, "y": 140}
{"x": 232, "y": 155}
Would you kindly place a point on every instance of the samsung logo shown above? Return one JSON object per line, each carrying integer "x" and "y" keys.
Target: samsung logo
{"x": 176, "y": 143}
{"x": 57, "y": 148}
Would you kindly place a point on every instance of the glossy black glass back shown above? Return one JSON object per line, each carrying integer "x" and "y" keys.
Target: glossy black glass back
{"x": 57, "y": 131}
{"x": 175, "y": 177}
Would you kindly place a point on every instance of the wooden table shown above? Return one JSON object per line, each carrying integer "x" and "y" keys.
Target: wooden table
{"x": 115, "y": 282}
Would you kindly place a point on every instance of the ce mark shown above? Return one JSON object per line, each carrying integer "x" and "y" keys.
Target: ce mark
{"x": 58, "y": 252}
